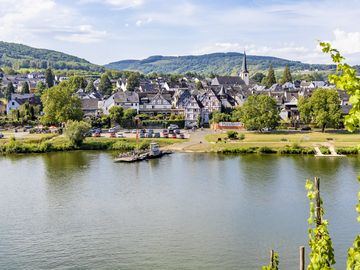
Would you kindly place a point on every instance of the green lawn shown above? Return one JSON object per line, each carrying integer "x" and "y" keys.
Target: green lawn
{"x": 253, "y": 139}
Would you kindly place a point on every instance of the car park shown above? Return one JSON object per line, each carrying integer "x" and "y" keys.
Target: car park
{"x": 120, "y": 135}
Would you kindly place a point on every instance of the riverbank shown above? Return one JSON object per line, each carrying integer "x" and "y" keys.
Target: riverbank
{"x": 201, "y": 141}
{"x": 48, "y": 143}
{"x": 300, "y": 143}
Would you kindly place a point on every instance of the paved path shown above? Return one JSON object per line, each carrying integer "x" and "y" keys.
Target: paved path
{"x": 331, "y": 149}
{"x": 195, "y": 138}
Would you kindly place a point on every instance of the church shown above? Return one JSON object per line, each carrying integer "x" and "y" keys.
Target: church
{"x": 242, "y": 79}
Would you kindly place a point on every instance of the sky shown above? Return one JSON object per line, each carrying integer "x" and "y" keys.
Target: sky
{"x": 104, "y": 31}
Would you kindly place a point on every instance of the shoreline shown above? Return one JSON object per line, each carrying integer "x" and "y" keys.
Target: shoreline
{"x": 198, "y": 142}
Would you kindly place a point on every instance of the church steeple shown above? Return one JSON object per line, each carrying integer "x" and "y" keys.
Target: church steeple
{"x": 244, "y": 74}
{"x": 244, "y": 64}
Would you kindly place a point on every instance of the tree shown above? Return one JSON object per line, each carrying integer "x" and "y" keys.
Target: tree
{"x": 129, "y": 114}
{"x": 270, "y": 79}
{"x": 258, "y": 77}
{"x": 287, "y": 75}
{"x": 77, "y": 82}
{"x": 105, "y": 86}
{"x": 304, "y": 108}
{"x": 218, "y": 117}
{"x": 116, "y": 114}
{"x": 133, "y": 81}
{"x": 323, "y": 107}
{"x": 199, "y": 85}
{"x": 25, "y": 89}
{"x": 353, "y": 261}
{"x": 346, "y": 80}
{"x": 60, "y": 105}
{"x": 75, "y": 131}
{"x": 40, "y": 87}
{"x": 322, "y": 253}
{"x": 49, "y": 78}
{"x": 10, "y": 89}
{"x": 259, "y": 112}
{"x": 90, "y": 87}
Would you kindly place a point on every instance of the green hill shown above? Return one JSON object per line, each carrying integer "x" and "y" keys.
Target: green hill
{"x": 18, "y": 56}
{"x": 218, "y": 63}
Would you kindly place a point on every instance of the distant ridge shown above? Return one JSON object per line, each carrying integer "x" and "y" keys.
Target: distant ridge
{"x": 218, "y": 63}
{"x": 21, "y": 56}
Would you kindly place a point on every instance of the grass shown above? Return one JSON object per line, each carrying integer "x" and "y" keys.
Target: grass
{"x": 42, "y": 143}
{"x": 279, "y": 140}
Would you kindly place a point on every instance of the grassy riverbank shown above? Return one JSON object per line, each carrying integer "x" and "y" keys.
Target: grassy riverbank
{"x": 270, "y": 143}
{"x": 48, "y": 143}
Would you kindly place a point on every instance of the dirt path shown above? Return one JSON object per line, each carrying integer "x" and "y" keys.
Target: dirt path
{"x": 194, "y": 138}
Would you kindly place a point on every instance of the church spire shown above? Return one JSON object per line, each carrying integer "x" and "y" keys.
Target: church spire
{"x": 244, "y": 74}
{"x": 244, "y": 64}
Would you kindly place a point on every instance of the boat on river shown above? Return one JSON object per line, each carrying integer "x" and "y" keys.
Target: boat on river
{"x": 136, "y": 156}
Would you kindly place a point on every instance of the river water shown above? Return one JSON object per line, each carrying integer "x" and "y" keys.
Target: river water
{"x": 80, "y": 210}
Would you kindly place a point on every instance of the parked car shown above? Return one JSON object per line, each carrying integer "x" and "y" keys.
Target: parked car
{"x": 120, "y": 135}
{"x": 1, "y": 135}
{"x": 157, "y": 135}
{"x": 149, "y": 135}
{"x": 173, "y": 136}
{"x": 177, "y": 131}
{"x": 96, "y": 134}
{"x": 173, "y": 126}
{"x": 112, "y": 135}
{"x": 165, "y": 131}
{"x": 181, "y": 136}
{"x": 127, "y": 131}
{"x": 166, "y": 135}
{"x": 306, "y": 128}
{"x": 142, "y": 135}
{"x": 150, "y": 131}
{"x": 133, "y": 131}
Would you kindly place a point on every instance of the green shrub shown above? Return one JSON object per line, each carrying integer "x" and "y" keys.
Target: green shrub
{"x": 266, "y": 150}
{"x": 241, "y": 136}
{"x": 75, "y": 131}
{"x": 233, "y": 135}
{"x": 144, "y": 145}
{"x": 123, "y": 146}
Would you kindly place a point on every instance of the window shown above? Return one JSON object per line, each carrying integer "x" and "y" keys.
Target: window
{"x": 13, "y": 103}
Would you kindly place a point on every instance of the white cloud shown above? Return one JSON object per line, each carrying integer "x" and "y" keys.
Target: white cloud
{"x": 347, "y": 43}
{"x": 30, "y": 21}
{"x": 118, "y": 4}
{"x": 82, "y": 34}
{"x": 143, "y": 22}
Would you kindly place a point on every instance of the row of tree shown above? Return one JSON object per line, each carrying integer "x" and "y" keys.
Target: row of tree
{"x": 261, "y": 111}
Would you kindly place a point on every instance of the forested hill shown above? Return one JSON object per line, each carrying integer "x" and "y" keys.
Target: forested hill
{"x": 19, "y": 56}
{"x": 218, "y": 63}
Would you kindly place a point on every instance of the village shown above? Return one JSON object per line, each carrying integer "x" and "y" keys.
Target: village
{"x": 188, "y": 99}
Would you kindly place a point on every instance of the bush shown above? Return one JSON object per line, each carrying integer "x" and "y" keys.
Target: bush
{"x": 266, "y": 150}
{"x": 123, "y": 146}
{"x": 75, "y": 131}
{"x": 233, "y": 135}
{"x": 241, "y": 136}
{"x": 144, "y": 145}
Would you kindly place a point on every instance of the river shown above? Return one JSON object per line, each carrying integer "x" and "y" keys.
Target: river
{"x": 79, "y": 210}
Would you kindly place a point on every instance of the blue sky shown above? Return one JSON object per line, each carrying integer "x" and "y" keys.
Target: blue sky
{"x": 109, "y": 30}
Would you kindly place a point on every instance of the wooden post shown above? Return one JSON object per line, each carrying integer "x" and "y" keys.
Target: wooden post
{"x": 272, "y": 258}
{"x": 302, "y": 257}
{"x": 317, "y": 201}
